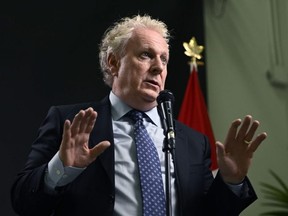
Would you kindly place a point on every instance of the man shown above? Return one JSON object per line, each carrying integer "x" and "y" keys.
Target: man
{"x": 84, "y": 161}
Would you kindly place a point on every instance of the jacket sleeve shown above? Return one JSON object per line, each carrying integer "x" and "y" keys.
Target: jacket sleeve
{"x": 199, "y": 193}
{"x": 223, "y": 201}
{"x": 28, "y": 195}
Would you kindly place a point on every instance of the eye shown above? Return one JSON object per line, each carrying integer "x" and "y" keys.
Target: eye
{"x": 145, "y": 55}
{"x": 164, "y": 60}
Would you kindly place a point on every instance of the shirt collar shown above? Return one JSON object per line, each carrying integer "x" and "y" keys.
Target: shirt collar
{"x": 119, "y": 109}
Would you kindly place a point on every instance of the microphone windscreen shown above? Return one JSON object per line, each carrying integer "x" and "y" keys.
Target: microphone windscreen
{"x": 165, "y": 95}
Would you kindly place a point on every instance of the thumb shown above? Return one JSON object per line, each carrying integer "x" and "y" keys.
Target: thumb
{"x": 99, "y": 149}
{"x": 220, "y": 149}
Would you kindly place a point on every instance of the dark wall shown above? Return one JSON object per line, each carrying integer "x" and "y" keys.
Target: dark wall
{"x": 49, "y": 56}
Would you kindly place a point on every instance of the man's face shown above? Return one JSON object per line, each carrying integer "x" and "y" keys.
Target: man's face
{"x": 140, "y": 74}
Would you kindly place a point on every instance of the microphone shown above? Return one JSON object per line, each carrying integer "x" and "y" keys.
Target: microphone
{"x": 165, "y": 101}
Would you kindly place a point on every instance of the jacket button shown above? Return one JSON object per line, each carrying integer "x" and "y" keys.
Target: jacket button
{"x": 111, "y": 198}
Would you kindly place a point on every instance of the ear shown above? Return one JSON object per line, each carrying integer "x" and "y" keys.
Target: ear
{"x": 114, "y": 64}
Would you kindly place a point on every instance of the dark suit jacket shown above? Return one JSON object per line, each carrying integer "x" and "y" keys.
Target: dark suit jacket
{"x": 93, "y": 192}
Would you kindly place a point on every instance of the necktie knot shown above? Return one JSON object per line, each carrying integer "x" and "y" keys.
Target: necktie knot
{"x": 135, "y": 115}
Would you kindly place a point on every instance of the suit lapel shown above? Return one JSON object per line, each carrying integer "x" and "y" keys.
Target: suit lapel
{"x": 103, "y": 131}
{"x": 181, "y": 163}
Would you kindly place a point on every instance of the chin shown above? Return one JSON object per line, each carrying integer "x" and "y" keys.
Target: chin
{"x": 151, "y": 95}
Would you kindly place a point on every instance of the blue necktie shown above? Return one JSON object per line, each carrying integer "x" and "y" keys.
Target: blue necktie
{"x": 152, "y": 189}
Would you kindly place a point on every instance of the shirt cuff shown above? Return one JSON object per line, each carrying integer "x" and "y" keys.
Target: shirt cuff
{"x": 57, "y": 175}
{"x": 236, "y": 189}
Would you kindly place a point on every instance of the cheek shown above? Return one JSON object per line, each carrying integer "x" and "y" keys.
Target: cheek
{"x": 129, "y": 78}
{"x": 163, "y": 78}
{"x": 137, "y": 73}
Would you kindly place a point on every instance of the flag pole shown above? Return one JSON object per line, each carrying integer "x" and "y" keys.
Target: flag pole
{"x": 193, "y": 111}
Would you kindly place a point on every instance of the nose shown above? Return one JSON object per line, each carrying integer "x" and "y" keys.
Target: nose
{"x": 157, "y": 65}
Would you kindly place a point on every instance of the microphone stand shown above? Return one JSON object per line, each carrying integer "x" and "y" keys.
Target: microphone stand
{"x": 165, "y": 100}
{"x": 168, "y": 149}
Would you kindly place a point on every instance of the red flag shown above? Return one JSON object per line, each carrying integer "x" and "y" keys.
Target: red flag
{"x": 194, "y": 113}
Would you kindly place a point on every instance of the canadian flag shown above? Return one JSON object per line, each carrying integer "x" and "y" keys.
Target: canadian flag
{"x": 193, "y": 112}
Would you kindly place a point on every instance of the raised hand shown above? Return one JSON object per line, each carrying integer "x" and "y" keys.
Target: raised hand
{"x": 235, "y": 155}
{"x": 74, "y": 150}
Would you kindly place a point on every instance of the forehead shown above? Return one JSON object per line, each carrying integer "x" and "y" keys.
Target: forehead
{"x": 148, "y": 38}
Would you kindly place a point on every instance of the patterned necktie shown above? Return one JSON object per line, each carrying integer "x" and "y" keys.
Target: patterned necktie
{"x": 152, "y": 189}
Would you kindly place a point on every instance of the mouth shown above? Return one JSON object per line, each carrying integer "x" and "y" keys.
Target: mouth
{"x": 153, "y": 83}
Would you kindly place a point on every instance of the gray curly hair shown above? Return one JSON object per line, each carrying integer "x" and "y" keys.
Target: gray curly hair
{"x": 115, "y": 39}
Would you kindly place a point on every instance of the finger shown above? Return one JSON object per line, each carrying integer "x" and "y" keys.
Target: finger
{"x": 91, "y": 122}
{"x": 244, "y": 128}
{"x": 251, "y": 132}
{"x": 232, "y": 131}
{"x": 258, "y": 140}
{"x": 66, "y": 132}
{"x": 99, "y": 149}
{"x": 65, "y": 143}
{"x": 88, "y": 113}
{"x": 75, "y": 126}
